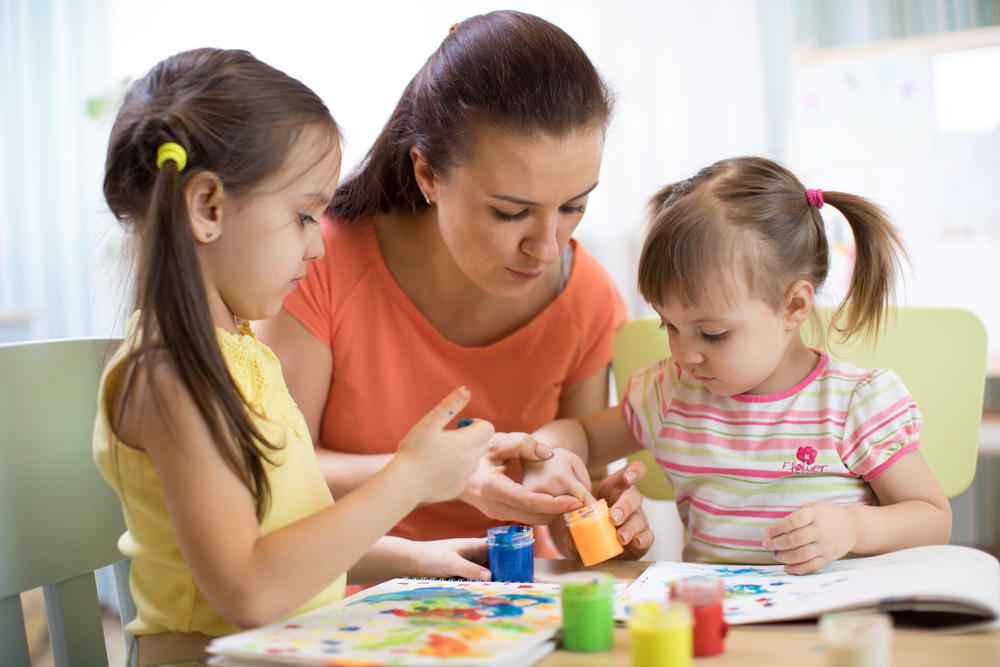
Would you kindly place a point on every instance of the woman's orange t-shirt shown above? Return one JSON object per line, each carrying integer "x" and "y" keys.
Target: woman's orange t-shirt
{"x": 391, "y": 366}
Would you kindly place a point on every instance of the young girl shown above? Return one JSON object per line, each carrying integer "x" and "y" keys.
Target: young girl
{"x": 220, "y": 166}
{"x": 776, "y": 452}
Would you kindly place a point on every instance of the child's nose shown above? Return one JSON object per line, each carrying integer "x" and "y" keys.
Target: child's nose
{"x": 686, "y": 353}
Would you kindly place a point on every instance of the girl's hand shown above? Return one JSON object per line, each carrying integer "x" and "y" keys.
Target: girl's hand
{"x": 625, "y": 509}
{"x": 564, "y": 473}
{"x": 441, "y": 461}
{"x": 464, "y": 558}
{"x": 811, "y": 536}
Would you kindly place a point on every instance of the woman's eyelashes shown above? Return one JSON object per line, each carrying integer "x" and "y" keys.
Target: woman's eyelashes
{"x": 304, "y": 218}
{"x": 510, "y": 217}
{"x": 521, "y": 215}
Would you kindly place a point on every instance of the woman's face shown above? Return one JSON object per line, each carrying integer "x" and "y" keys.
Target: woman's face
{"x": 509, "y": 210}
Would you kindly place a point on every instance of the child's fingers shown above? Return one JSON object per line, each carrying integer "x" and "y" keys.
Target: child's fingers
{"x": 793, "y": 540}
{"x": 808, "y": 567}
{"x": 798, "y": 555}
{"x": 507, "y": 446}
{"x": 798, "y": 519}
{"x": 473, "y": 549}
{"x": 445, "y": 411}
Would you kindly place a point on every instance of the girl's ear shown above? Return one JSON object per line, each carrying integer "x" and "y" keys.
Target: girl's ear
{"x": 424, "y": 175}
{"x": 204, "y": 195}
{"x": 798, "y": 304}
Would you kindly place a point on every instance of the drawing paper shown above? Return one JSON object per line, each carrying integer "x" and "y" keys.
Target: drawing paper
{"x": 952, "y": 579}
{"x": 406, "y": 622}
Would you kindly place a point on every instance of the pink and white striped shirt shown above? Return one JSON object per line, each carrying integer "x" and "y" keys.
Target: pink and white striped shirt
{"x": 739, "y": 463}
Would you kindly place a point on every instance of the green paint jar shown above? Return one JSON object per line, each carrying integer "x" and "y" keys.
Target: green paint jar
{"x": 588, "y": 623}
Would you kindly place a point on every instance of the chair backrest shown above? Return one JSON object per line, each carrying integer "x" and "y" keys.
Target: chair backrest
{"x": 59, "y": 519}
{"x": 940, "y": 354}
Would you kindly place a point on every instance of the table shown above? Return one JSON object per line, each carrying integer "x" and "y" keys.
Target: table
{"x": 776, "y": 645}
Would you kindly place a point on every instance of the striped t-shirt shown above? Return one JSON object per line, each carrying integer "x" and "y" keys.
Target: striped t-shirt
{"x": 739, "y": 463}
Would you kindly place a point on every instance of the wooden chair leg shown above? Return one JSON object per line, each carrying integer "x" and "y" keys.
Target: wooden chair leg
{"x": 13, "y": 640}
{"x": 75, "y": 627}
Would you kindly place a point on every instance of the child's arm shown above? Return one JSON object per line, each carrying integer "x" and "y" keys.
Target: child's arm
{"x": 598, "y": 438}
{"x": 392, "y": 557}
{"x": 913, "y": 512}
{"x": 252, "y": 579}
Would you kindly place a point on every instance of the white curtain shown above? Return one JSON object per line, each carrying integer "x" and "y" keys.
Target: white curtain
{"x": 51, "y": 56}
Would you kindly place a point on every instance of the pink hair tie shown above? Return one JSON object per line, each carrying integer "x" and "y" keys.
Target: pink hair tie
{"x": 815, "y": 198}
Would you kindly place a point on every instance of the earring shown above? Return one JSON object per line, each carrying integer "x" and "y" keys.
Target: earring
{"x": 209, "y": 235}
{"x": 427, "y": 199}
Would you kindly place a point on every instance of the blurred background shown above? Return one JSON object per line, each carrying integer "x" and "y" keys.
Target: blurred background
{"x": 895, "y": 100}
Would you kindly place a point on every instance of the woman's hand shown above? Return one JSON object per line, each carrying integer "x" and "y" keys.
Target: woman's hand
{"x": 443, "y": 460}
{"x": 811, "y": 536}
{"x": 564, "y": 473}
{"x": 464, "y": 558}
{"x": 499, "y": 497}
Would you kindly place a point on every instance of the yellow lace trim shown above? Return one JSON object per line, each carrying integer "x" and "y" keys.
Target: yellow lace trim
{"x": 257, "y": 374}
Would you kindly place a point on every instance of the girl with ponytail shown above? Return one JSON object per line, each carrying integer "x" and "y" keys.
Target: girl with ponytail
{"x": 219, "y": 167}
{"x": 776, "y": 452}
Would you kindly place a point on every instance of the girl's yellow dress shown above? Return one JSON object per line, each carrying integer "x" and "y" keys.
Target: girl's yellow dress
{"x": 167, "y": 599}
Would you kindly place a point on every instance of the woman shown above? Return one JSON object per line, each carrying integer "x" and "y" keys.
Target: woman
{"x": 449, "y": 261}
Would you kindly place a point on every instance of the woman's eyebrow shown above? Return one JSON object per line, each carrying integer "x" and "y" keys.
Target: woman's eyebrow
{"x": 524, "y": 202}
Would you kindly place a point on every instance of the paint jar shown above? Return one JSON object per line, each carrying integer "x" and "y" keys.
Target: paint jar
{"x": 660, "y": 634}
{"x": 857, "y": 640}
{"x": 512, "y": 554}
{"x": 593, "y": 533}
{"x": 588, "y": 622}
{"x": 705, "y": 595}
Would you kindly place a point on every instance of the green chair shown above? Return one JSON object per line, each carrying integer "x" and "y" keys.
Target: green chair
{"x": 59, "y": 519}
{"x": 940, "y": 353}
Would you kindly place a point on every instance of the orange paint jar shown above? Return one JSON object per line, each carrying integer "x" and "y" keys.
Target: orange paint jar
{"x": 593, "y": 533}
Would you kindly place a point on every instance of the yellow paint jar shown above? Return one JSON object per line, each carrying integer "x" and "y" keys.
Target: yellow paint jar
{"x": 660, "y": 634}
{"x": 593, "y": 533}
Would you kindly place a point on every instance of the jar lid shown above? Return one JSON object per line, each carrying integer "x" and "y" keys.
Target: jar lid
{"x": 510, "y": 537}
{"x": 659, "y": 616}
{"x": 698, "y": 591}
{"x": 587, "y": 585}
{"x": 588, "y": 512}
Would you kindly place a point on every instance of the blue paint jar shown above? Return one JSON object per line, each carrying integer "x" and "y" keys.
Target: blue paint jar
{"x": 512, "y": 553}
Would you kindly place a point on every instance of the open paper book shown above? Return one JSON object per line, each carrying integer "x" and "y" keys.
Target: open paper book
{"x": 409, "y": 622}
{"x": 938, "y": 586}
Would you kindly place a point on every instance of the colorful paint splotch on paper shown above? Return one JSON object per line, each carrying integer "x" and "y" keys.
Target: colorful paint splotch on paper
{"x": 410, "y": 622}
{"x": 765, "y": 593}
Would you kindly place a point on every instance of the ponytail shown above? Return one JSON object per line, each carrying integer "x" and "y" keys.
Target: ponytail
{"x": 174, "y": 316}
{"x": 237, "y": 118}
{"x": 878, "y": 249}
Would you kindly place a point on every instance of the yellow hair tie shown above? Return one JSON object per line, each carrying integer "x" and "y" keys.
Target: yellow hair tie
{"x": 171, "y": 151}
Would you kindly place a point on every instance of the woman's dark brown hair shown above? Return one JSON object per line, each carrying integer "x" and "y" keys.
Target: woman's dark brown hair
{"x": 753, "y": 215}
{"x": 237, "y": 118}
{"x": 504, "y": 69}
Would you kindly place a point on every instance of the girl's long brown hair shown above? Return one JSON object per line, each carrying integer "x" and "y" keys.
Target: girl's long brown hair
{"x": 237, "y": 118}
{"x": 504, "y": 69}
{"x": 753, "y": 215}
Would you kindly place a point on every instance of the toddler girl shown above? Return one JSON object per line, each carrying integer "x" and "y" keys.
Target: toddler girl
{"x": 776, "y": 452}
{"x": 220, "y": 166}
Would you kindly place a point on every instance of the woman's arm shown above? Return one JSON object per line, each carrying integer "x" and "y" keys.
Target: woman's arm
{"x": 252, "y": 579}
{"x": 913, "y": 511}
{"x": 307, "y": 365}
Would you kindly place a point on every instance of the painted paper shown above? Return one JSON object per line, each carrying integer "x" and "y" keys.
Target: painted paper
{"x": 942, "y": 578}
{"x": 407, "y": 622}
